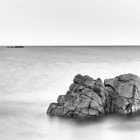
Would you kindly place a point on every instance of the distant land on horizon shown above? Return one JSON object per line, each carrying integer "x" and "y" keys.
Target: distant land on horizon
{"x": 22, "y": 46}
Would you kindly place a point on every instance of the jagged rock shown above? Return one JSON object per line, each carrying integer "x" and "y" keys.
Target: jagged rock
{"x": 123, "y": 94}
{"x": 87, "y": 97}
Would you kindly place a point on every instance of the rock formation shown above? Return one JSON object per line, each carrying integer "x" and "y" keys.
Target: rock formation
{"x": 90, "y": 98}
{"x": 123, "y": 94}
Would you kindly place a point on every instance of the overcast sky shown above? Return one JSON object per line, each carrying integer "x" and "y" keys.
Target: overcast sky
{"x": 69, "y": 22}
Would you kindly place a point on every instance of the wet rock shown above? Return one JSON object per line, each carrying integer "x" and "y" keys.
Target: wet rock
{"x": 88, "y": 97}
{"x": 124, "y": 93}
{"x": 85, "y": 98}
{"x": 93, "y": 112}
{"x": 95, "y": 106}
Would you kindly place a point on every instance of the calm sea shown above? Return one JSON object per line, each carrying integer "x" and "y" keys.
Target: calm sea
{"x": 33, "y": 77}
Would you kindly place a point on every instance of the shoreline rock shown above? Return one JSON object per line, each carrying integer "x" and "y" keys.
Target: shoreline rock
{"x": 124, "y": 93}
{"x": 90, "y": 98}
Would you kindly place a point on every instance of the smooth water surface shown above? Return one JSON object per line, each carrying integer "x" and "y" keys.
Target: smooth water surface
{"x": 33, "y": 77}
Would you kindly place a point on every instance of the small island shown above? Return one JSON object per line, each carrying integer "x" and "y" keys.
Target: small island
{"x": 90, "y": 98}
{"x": 15, "y": 47}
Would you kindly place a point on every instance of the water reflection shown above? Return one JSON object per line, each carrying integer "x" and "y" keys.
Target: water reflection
{"x": 106, "y": 127}
{"x": 21, "y": 120}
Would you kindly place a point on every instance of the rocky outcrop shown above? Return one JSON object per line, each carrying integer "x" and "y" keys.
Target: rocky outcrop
{"x": 85, "y": 98}
{"x": 123, "y": 94}
{"x": 90, "y": 98}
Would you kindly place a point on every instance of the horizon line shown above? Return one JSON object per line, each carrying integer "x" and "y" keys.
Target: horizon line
{"x": 72, "y": 45}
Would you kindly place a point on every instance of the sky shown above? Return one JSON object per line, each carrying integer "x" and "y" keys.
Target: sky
{"x": 69, "y": 22}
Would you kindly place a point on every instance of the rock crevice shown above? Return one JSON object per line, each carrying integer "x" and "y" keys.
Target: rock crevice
{"x": 88, "y": 97}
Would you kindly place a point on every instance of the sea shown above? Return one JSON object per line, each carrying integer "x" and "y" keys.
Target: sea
{"x": 33, "y": 77}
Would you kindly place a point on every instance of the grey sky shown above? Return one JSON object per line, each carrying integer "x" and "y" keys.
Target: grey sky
{"x": 69, "y": 22}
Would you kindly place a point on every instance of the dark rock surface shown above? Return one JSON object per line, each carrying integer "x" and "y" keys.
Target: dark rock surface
{"x": 85, "y": 98}
{"x": 123, "y": 94}
{"x": 90, "y": 98}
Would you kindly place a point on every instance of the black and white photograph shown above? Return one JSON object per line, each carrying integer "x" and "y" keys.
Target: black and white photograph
{"x": 69, "y": 69}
